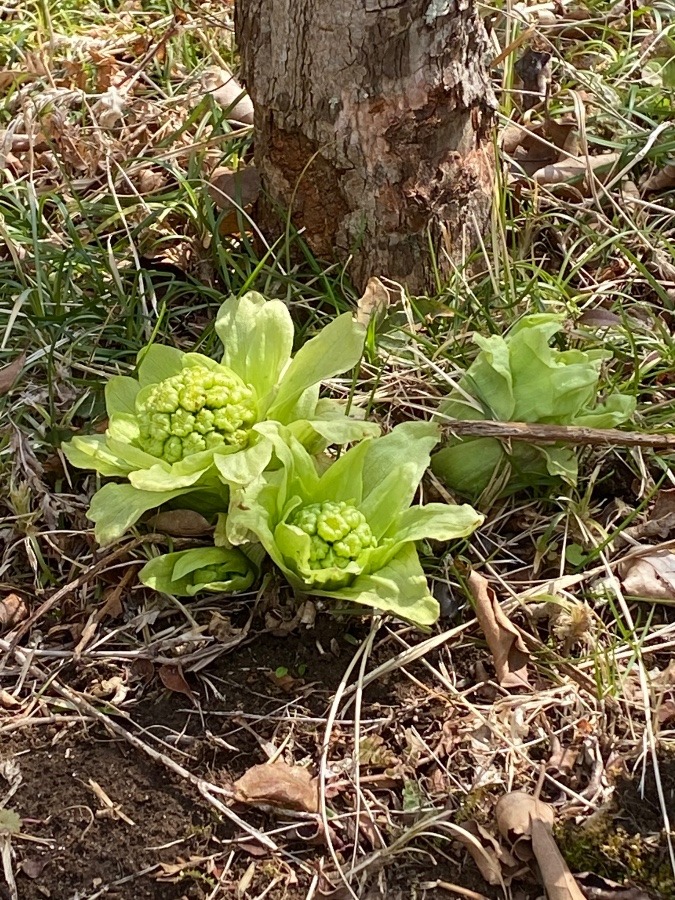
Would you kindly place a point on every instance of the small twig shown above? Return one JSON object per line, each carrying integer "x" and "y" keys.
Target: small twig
{"x": 555, "y": 434}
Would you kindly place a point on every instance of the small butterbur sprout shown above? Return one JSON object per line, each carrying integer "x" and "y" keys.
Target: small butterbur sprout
{"x": 188, "y": 423}
{"x": 200, "y": 570}
{"x": 520, "y": 378}
{"x": 350, "y": 532}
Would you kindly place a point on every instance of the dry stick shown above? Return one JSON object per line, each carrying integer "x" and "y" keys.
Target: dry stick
{"x": 555, "y": 434}
{"x": 86, "y": 709}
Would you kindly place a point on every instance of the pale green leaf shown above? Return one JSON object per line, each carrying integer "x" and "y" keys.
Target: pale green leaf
{"x": 92, "y": 452}
{"x": 393, "y": 470}
{"x": 467, "y": 467}
{"x": 436, "y": 521}
{"x": 116, "y": 507}
{"x": 400, "y": 588}
{"x": 158, "y": 362}
{"x": 120, "y": 395}
{"x": 246, "y": 465}
{"x": 257, "y": 336}
{"x": 335, "y": 349}
{"x": 181, "y": 574}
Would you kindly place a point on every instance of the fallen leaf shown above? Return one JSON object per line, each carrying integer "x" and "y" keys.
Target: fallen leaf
{"x": 533, "y": 146}
{"x": 228, "y": 93}
{"x": 599, "y": 318}
{"x": 521, "y": 817}
{"x": 650, "y": 575}
{"x": 143, "y": 669}
{"x": 661, "y": 520}
{"x": 595, "y": 887}
{"x": 665, "y": 714}
{"x": 534, "y": 70}
{"x": 508, "y": 650}
{"x": 173, "y": 680}
{"x": 232, "y": 189}
{"x": 278, "y": 784}
{"x": 662, "y": 180}
{"x": 33, "y": 866}
{"x": 494, "y": 862}
{"x": 9, "y": 374}
{"x": 180, "y": 523}
{"x": 575, "y": 169}
{"x": 12, "y": 611}
{"x": 562, "y": 759}
{"x": 373, "y": 303}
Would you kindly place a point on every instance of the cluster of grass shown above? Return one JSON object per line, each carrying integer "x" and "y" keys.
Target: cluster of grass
{"x": 110, "y": 238}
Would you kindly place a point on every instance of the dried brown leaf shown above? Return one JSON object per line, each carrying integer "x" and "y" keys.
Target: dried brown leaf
{"x": 373, "y": 303}
{"x": 534, "y": 146}
{"x": 595, "y": 887}
{"x": 506, "y": 645}
{"x": 143, "y": 669}
{"x": 515, "y": 811}
{"x": 33, "y": 866}
{"x": 281, "y": 785}
{"x": 494, "y": 862}
{"x": 228, "y": 93}
{"x": 534, "y": 70}
{"x": 232, "y": 189}
{"x": 520, "y": 817}
{"x": 12, "y": 611}
{"x": 9, "y": 374}
{"x": 599, "y": 318}
{"x": 173, "y": 680}
{"x": 575, "y": 169}
{"x": 650, "y": 575}
{"x": 180, "y": 523}
{"x": 663, "y": 180}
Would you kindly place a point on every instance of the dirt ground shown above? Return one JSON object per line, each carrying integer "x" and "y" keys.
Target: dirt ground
{"x": 100, "y": 818}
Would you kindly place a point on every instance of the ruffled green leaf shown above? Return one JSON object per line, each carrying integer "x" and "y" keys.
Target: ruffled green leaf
{"x": 335, "y": 349}
{"x": 521, "y": 378}
{"x": 203, "y": 569}
{"x": 400, "y": 588}
{"x": 116, "y": 507}
{"x": 158, "y": 362}
{"x": 257, "y": 336}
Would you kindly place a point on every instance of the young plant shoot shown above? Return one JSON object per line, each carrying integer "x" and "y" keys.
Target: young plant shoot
{"x": 203, "y": 569}
{"x": 520, "y": 378}
{"x": 350, "y": 532}
{"x": 188, "y": 423}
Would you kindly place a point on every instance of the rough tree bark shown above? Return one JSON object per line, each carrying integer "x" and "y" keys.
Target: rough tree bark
{"x": 373, "y": 125}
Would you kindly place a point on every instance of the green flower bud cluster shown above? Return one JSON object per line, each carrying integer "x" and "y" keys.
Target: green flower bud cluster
{"x": 339, "y": 533}
{"x": 212, "y": 574}
{"x": 198, "y": 409}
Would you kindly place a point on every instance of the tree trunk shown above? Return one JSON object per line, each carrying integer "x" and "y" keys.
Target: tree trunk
{"x": 373, "y": 126}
